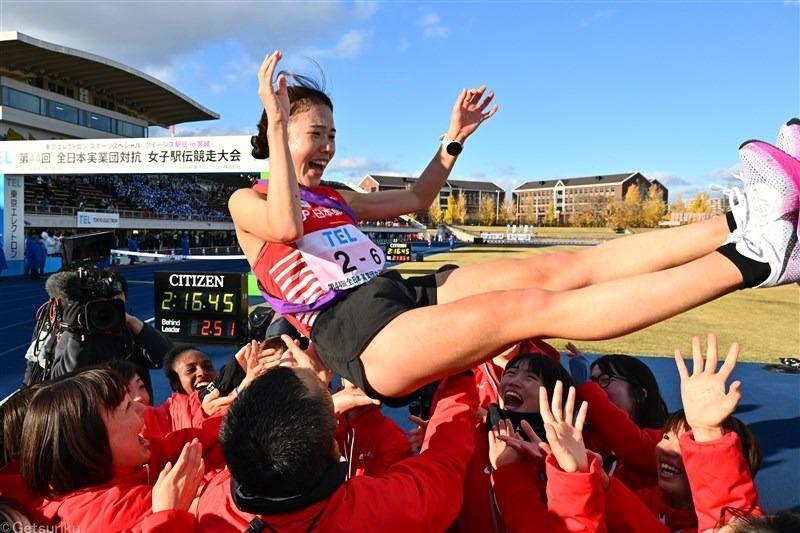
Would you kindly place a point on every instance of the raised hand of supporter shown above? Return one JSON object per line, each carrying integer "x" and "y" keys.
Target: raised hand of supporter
{"x": 214, "y": 403}
{"x": 469, "y": 112}
{"x": 706, "y": 401}
{"x": 500, "y": 452}
{"x": 254, "y": 365}
{"x": 532, "y": 449}
{"x": 177, "y": 485}
{"x": 564, "y": 439}
{"x": 417, "y": 435}
{"x": 309, "y": 358}
{"x": 275, "y": 101}
{"x": 351, "y": 397}
{"x": 578, "y": 365}
{"x": 241, "y": 355}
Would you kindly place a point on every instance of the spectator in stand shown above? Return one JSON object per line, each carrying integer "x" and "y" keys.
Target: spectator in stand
{"x": 52, "y": 244}
{"x": 35, "y": 254}
{"x": 133, "y": 246}
{"x": 185, "y": 244}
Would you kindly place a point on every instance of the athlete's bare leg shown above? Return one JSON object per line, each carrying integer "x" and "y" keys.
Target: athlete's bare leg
{"x": 619, "y": 258}
{"x": 456, "y": 336}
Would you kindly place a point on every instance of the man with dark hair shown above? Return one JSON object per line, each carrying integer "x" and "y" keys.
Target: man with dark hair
{"x": 285, "y": 471}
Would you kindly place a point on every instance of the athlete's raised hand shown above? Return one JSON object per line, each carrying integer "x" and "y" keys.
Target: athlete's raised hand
{"x": 469, "y": 112}
{"x": 275, "y": 101}
{"x": 705, "y": 400}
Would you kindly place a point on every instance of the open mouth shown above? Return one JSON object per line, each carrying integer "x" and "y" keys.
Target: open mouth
{"x": 512, "y": 400}
{"x": 669, "y": 471}
{"x": 318, "y": 165}
{"x": 200, "y": 385}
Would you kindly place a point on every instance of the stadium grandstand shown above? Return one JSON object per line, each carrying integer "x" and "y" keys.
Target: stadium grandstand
{"x": 50, "y": 91}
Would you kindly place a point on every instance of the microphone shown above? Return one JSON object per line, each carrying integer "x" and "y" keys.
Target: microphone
{"x": 66, "y": 286}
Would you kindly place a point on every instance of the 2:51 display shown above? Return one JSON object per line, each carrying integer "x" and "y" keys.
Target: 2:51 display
{"x": 219, "y": 328}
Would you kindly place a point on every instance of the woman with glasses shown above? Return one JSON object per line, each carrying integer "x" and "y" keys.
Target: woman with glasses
{"x": 626, "y": 414}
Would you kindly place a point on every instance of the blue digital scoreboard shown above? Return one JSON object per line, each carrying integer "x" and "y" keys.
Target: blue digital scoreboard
{"x": 201, "y": 307}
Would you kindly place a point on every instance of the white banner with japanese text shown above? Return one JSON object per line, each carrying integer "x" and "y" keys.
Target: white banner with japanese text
{"x": 154, "y": 155}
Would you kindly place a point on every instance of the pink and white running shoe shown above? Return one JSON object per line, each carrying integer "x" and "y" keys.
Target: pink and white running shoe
{"x": 767, "y": 225}
{"x": 789, "y": 138}
{"x": 770, "y": 186}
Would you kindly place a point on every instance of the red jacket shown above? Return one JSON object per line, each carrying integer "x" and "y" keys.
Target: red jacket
{"x": 479, "y": 512}
{"x": 125, "y": 502}
{"x": 40, "y": 510}
{"x": 179, "y": 411}
{"x": 575, "y": 502}
{"x": 371, "y": 442}
{"x": 417, "y": 494}
{"x": 613, "y": 430}
{"x": 644, "y": 511}
{"x": 720, "y": 479}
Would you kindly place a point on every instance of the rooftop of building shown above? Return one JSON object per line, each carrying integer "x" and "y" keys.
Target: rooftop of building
{"x": 153, "y": 100}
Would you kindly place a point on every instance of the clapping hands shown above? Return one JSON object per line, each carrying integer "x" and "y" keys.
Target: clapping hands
{"x": 177, "y": 484}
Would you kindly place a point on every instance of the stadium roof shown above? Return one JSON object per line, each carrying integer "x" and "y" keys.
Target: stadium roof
{"x": 154, "y": 100}
{"x": 609, "y": 179}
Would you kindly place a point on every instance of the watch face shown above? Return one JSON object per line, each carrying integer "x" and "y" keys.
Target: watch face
{"x": 454, "y": 148}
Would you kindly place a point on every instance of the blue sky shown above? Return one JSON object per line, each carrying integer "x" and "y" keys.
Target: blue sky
{"x": 666, "y": 88}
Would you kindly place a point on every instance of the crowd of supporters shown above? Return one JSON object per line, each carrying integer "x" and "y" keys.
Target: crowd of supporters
{"x": 520, "y": 443}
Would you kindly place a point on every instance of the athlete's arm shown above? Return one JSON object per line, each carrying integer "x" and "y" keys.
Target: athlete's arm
{"x": 468, "y": 113}
{"x": 278, "y": 218}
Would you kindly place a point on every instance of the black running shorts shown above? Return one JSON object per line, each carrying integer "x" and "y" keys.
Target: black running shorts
{"x": 341, "y": 331}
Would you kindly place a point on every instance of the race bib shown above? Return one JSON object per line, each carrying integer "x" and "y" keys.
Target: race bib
{"x": 342, "y": 257}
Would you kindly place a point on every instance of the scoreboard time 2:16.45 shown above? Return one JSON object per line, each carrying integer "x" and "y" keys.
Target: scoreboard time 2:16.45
{"x": 201, "y": 306}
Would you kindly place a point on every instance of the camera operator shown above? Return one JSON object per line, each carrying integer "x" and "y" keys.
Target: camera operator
{"x": 96, "y": 329}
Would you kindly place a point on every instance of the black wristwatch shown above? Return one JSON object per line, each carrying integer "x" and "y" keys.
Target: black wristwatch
{"x": 451, "y": 146}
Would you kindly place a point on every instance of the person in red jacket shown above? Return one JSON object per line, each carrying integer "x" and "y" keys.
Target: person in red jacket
{"x": 12, "y": 487}
{"x": 285, "y": 473}
{"x": 575, "y": 499}
{"x": 707, "y": 458}
{"x": 719, "y": 487}
{"x": 627, "y": 413}
{"x": 81, "y": 448}
{"x": 487, "y": 381}
{"x": 518, "y": 394}
{"x": 189, "y": 372}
